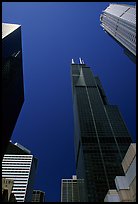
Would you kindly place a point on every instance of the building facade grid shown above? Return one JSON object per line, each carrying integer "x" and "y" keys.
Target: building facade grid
{"x": 100, "y": 134}
{"x": 17, "y": 167}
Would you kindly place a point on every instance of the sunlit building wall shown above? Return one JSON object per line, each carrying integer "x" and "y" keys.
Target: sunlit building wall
{"x": 7, "y": 195}
{"x": 119, "y": 20}
{"x": 125, "y": 185}
{"x": 20, "y": 166}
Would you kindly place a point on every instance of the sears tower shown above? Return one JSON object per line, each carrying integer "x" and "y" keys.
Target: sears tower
{"x": 101, "y": 136}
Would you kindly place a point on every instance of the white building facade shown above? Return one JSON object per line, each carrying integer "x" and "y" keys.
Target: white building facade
{"x": 119, "y": 20}
{"x": 21, "y": 169}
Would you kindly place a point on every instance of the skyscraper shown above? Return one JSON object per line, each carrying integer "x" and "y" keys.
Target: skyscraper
{"x": 119, "y": 20}
{"x": 20, "y": 166}
{"x": 72, "y": 190}
{"x": 12, "y": 80}
{"x": 38, "y": 196}
{"x": 100, "y": 134}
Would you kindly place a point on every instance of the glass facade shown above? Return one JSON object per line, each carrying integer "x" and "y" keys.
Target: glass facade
{"x": 12, "y": 81}
{"x": 101, "y": 136}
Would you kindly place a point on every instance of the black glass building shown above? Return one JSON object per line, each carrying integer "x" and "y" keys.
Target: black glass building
{"x": 12, "y": 80}
{"x": 38, "y": 196}
{"x": 101, "y": 136}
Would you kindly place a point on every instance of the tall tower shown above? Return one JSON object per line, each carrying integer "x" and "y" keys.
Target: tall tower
{"x": 12, "y": 80}
{"x": 20, "y": 166}
{"x": 119, "y": 20}
{"x": 101, "y": 136}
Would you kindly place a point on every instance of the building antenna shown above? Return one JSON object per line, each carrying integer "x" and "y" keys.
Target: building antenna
{"x": 73, "y": 61}
{"x": 81, "y": 60}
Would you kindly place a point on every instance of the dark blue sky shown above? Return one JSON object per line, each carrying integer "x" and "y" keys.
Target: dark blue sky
{"x": 53, "y": 34}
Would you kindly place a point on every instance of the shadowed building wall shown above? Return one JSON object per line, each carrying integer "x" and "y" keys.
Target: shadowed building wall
{"x": 100, "y": 134}
{"x": 12, "y": 80}
{"x": 38, "y": 196}
{"x": 72, "y": 190}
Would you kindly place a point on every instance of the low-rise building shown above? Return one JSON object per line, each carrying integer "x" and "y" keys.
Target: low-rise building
{"x": 125, "y": 185}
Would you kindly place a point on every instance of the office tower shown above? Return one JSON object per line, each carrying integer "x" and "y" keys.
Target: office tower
{"x": 12, "y": 81}
{"x": 119, "y": 21}
{"x": 100, "y": 134}
{"x": 125, "y": 185}
{"x": 20, "y": 165}
{"x": 72, "y": 190}
{"x": 38, "y": 196}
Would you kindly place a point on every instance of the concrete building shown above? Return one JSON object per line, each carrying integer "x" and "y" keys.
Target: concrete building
{"x": 38, "y": 196}
{"x": 112, "y": 196}
{"x": 119, "y": 21}
{"x": 12, "y": 81}
{"x": 125, "y": 185}
{"x": 7, "y": 195}
{"x": 20, "y": 165}
{"x": 72, "y": 190}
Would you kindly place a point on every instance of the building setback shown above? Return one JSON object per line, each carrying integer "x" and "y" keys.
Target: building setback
{"x": 38, "y": 196}
{"x": 119, "y": 21}
{"x": 20, "y": 166}
{"x": 12, "y": 80}
{"x": 125, "y": 185}
{"x": 72, "y": 190}
{"x": 100, "y": 134}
